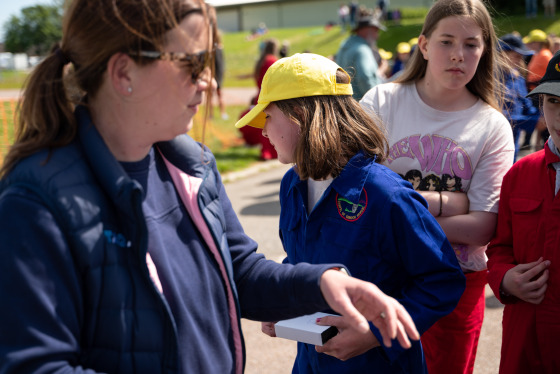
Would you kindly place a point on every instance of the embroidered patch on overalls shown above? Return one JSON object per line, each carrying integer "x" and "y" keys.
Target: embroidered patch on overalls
{"x": 350, "y": 211}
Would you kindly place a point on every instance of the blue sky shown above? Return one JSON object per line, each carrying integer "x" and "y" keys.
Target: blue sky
{"x": 10, "y": 8}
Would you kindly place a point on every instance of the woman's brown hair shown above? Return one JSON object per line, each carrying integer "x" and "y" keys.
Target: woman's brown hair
{"x": 332, "y": 130}
{"x": 92, "y": 32}
{"x": 487, "y": 81}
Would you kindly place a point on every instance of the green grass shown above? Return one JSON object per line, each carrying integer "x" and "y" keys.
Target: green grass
{"x": 225, "y": 140}
{"x": 236, "y": 158}
{"x": 221, "y": 137}
{"x": 241, "y": 55}
{"x": 12, "y": 80}
{"x": 7, "y": 109}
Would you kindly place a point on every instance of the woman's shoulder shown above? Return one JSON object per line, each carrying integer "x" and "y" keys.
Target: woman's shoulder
{"x": 46, "y": 165}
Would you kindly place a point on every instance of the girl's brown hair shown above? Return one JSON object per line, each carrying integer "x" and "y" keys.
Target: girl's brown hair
{"x": 332, "y": 130}
{"x": 93, "y": 31}
{"x": 487, "y": 81}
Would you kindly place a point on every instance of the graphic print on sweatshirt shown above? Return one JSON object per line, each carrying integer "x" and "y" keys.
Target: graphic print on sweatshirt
{"x": 442, "y": 165}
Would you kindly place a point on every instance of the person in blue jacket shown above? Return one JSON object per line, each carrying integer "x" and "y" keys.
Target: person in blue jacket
{"x": 518, "y": 109}
{"x": 358, "y": 53}
{"x": 338, "y": 203}
{"x": 120, "y": 251}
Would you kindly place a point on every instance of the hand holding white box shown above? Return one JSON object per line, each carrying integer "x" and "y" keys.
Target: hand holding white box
{"x": 305, "y": 329}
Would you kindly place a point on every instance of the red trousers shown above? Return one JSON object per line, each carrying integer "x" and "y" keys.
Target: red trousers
{"x": 253, "y": 136}
{"x": 450, "y": 344}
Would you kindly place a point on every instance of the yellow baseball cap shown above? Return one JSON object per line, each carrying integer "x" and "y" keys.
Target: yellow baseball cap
{"x": 413, "y": 41}
{"x": 300, "y": 75}
{"x": 386, "y": 55}
{"x": 536, "y": 35}
{"x": 403, "y": 47}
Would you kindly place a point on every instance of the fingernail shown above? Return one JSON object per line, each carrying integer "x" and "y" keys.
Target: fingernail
{"x": 318, "y": 320}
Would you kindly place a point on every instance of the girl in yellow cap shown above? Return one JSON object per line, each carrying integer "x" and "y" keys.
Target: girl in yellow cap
{"x": 338, "y": 203}
{"x": 120, "y": 251}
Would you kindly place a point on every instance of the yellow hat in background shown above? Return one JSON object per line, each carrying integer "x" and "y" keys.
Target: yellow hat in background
{"x": 403, "y": 47}
{"x": 386, "y": 55}
{"x": 300, "y": 75}
{"x": 413, "y": 42}
{"x": 535, "y": 35}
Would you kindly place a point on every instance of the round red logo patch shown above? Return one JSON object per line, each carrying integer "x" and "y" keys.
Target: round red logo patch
{"x": 348, "y": 210}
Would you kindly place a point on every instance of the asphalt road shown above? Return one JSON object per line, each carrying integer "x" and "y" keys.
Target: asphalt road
{"x": 254, "y": 196}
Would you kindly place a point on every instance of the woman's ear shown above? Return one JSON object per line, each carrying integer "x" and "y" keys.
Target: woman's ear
{"x": 423, "y": 46}
{"x": 119, "y": 70}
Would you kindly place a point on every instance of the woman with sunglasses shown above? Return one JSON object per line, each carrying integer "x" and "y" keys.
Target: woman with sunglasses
{"x": 119, "y": 249}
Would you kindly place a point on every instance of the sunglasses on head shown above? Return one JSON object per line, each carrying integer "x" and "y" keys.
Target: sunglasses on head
{"x": 196, "y": 62}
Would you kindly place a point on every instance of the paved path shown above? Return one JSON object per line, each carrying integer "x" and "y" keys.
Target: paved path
{"x": 232, "y": 96}
{"x": 238, "y": 96}
{"x": 9, "y": 94}
{"x": 254, "y": 196}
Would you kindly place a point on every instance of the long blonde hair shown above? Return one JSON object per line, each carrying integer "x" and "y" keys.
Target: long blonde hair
{"x": 332, "y": 130}
{"x": 487, "y": 81}
{"x": 93, "y": 31}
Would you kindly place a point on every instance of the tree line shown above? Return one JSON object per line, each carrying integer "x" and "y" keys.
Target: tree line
{"x": 35, "y": 30}
{"x": 38, "y": 27}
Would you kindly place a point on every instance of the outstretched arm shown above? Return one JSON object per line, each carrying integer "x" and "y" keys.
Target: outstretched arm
{"x": 361, "y": 301}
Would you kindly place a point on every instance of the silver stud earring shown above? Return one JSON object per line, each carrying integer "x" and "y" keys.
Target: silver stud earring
{"x": 129, "y": 89}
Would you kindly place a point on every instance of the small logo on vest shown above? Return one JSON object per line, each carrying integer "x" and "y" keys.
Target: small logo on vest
{"x": 118, "y": 239}
{"x": 348, "y": 210}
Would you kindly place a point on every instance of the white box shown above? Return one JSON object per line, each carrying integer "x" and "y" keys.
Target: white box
{"x": 305, "y": 329}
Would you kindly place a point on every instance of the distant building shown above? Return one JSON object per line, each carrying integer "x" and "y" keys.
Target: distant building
{"x": 13, "y": 61}
{"x": 239, "y": 15}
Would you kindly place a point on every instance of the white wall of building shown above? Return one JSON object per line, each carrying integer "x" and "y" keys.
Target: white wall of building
{"x": 11, "y": 61}
{"x": 235, "y": 15}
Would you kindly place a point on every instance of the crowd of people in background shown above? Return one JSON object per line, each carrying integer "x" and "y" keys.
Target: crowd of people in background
{"x": 120, "y": 249}
{"x": 504, "y": 87}
{"x": 370, "y": 65}
{"x": 529, "y": 56}
{"x": 407, "y": 173}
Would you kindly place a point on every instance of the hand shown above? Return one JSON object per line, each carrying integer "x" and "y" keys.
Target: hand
{"x": 361, "y": 301}
{"x": 268, "y": 329}
{"x": 527, "y": 281}
{"x": 349, "y": 342}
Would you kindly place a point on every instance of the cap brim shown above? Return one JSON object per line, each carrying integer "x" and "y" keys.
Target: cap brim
{"x": 378, "y": 25}
{"x": 254, "y": 118}
{"x": 549, "y": 88}
{"x": 524, "y": 52}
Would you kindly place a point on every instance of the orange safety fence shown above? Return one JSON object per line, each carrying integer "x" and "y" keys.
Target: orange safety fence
{"x": 7, "y": 120}
{"x": 226, "y": 139}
